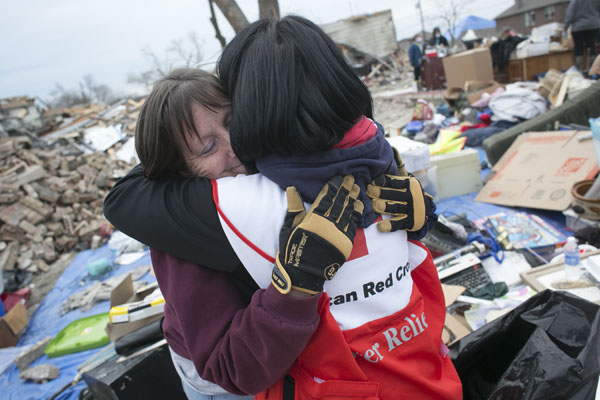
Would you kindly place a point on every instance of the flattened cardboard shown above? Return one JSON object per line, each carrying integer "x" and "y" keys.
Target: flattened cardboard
{"x": 12, "y": 324}
{"x": 455, "y": 330}
{"x": 539, "y": 169}
{"x": 470, "y": 65}
{"x": 125, "y": 293}
{"x": 451, "y": 293}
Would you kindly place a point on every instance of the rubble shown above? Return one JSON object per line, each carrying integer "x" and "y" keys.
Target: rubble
{"x": 53, "y": 180}
{"x": 40, "y": 373}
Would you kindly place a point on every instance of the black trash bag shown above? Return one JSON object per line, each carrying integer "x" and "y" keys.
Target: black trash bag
{"x": 16, "y": 279}
{"x": 546, "y": 348}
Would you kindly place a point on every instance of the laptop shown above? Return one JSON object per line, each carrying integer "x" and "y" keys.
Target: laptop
{"x": 466, "y": 271}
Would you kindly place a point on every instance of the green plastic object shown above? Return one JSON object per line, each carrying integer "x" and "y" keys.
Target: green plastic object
{"x": 82, "y": 334}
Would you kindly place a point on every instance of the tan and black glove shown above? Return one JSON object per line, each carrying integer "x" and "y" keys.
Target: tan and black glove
{"x": 403, "y": 198}
{"x": 314, "y": 245}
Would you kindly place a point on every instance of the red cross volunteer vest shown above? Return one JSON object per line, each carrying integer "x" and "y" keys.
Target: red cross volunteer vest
{"x": 382, "y": 316}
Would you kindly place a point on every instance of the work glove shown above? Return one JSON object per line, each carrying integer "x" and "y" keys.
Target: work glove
{"x": 402, "y": 197}
{"x": 314, "y": 245}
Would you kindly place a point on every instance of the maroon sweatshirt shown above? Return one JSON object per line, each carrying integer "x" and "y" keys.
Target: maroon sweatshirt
{"x": 243, "y": 349}
{"x": 241, "y": 338}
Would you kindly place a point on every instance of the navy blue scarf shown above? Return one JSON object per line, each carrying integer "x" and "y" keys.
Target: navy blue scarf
{"x": 309, "y": 173}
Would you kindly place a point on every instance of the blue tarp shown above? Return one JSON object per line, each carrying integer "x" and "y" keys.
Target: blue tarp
{"x": 471, "y": 22}
{"x": 47, "y": 321}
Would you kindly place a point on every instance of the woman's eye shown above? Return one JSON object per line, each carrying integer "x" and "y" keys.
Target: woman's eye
{"x": 208, "y": 148}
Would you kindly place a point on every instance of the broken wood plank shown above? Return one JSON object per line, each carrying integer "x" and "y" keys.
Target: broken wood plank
{"x": 26, "y": 358}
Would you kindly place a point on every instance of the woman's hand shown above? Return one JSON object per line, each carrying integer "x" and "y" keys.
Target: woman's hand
{"x": 314, "y": 245}
{"x": 403, "y": 198}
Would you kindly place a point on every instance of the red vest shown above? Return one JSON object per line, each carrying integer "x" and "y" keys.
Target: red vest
{"x": 381, "y": 318}
{"x": 400, "y": 356}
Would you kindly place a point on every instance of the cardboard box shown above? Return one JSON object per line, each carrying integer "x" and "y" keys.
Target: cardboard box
{"x": 12, "y": 324}
{"x": 476, "y": 89}
{"x": 469, "y": 65}
{"x": 125, "y": 293}
{"x": 457, "y": 173}
{"x": 539, "y": 169}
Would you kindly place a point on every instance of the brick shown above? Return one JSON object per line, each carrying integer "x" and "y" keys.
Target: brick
{"x": 8, "y": 198}
{"x": 65, "y": 243}
{"x": 42, "y": 265}
{"x": 34, "y": 217}
{"x": 32, "y": 173}
{"x": 9, "y": 256}
{"x": 13, "y": 214}
{"x": 38, "y": 206}
{"x": 30, "y": 191}
{"x": 45, "y": 193}
{"x": 8, "y": 188}
{"x": 69, "y": 197}
{"x": 12, "y": 233}
{"x": 68, "y": 224}
{"x": 49, "y": 250}
{"x": 25, "y": 259}
{"x": 28, "y": 227}
{"x": 90, "y": 228}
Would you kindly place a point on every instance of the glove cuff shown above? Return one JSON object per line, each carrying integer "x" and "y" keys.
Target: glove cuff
{"x": 285, "y": 280}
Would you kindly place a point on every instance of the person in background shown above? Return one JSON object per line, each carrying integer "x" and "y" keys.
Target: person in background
{"x": 583, "y": 17}
{"x": 437, "y": 38}
{"x": 415, "y": 54}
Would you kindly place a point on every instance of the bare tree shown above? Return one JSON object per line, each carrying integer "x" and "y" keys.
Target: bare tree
{"x": 213, "y": 21}
{"x": 236, "y": 18}
{"x": 179, "y": 53}
{"x": 88, "y": 92}
{"x": 268, "y": 9}
{"x": 450, "y": 12}
{"x": 233, "y": 13}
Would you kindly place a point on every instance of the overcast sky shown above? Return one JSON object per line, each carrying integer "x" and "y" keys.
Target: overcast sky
{"x": 48, "y": 42}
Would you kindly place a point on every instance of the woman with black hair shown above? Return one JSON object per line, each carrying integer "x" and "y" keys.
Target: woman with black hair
{"x": 300, "y": 115}
{"x": 310, "y": 134}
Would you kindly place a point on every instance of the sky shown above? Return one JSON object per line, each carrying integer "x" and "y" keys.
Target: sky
{"x": 45, "y": 43}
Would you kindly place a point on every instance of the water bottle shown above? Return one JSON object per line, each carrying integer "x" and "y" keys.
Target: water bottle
{"x": 571, "y": 251}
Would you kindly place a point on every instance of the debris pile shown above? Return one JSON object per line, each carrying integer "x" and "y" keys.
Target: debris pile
{"x": 54, "y": 174}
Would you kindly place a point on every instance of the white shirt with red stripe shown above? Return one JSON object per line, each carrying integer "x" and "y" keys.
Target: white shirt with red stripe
{"x": 373, "y": 300}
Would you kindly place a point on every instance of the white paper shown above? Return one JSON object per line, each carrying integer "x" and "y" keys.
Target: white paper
{"x": 102, "y": 138}
{"x": 513, "y": 264}
{"x": 127, "y": 152}
{"x": 129, "y": 258}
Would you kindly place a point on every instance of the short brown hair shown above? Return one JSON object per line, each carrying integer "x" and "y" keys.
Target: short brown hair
{"x": 167, "y": 114}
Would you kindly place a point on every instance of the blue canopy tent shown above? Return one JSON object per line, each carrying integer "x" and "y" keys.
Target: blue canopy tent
{"x": 471, "y": 22}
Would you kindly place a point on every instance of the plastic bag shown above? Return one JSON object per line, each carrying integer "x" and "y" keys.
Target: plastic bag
{"x": 546, "y": 348}
{"x": 595, "y": 127}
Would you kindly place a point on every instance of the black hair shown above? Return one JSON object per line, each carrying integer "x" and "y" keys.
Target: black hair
{"x": 291, "y": 89}
{"x": 168, "y": 113}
